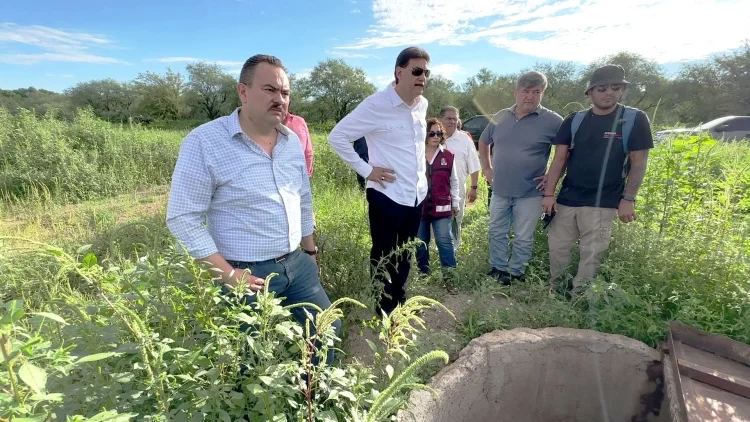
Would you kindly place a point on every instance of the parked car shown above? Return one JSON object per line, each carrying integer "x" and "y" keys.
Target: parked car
{"x": 727, "y": 128}
{"x": 475, "y": 126}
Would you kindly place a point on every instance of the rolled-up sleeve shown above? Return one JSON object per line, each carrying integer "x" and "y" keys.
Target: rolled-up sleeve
{"x": 306, "y": 208}
{"x": 189, "y": 198}
{"x": 355, "y": 125}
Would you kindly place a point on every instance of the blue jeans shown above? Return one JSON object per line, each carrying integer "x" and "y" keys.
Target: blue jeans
{"x": 297, "y": 282}
{"x": 522, "y": 214}
{"x": 443, "y": 240}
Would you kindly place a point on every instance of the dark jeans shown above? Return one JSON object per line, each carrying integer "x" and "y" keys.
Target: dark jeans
{"x": 443, "y": 240}
{"x": 391, "y": 226}
{"x": 297, "y": 281}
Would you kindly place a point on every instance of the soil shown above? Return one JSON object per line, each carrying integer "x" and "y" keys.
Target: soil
{"x": 442, "y": 330}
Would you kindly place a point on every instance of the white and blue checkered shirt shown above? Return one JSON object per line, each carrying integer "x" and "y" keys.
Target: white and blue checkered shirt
{"x": 228, "y": 196}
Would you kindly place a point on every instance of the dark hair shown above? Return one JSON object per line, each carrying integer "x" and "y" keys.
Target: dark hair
{"x": 248, "y": 69}
{"x": 407, "y": 54}
{"x": 434, "y": 121}
{"x": 447, "y": 109}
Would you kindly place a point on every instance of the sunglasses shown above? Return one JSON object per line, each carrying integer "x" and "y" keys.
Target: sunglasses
{"x": 418, "y": 71}
{"x": 438, "y": 133}
{"x": 603, "y": 88}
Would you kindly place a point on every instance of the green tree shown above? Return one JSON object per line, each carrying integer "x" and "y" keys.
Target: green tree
{"x": 110, "y": 99}
{"x": 161, "y": 96}
{"x": 440, "y": 92}
{"x": 211, "y": 91}
{"x": 336, "y": 88}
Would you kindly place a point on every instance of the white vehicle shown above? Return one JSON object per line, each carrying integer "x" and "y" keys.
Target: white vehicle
{"x": 728, "y": 128}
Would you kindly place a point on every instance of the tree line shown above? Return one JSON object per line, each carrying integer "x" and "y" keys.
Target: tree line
{"x": 699, "y": 92}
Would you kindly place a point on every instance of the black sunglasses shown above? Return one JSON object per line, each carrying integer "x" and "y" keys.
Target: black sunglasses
{"x": 418, "y": 71}
{"x": 438, "y": 133}
{"x": 603, "y": 88}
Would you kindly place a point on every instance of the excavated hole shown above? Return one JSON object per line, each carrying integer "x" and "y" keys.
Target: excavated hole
{"x": 552, "y": 374}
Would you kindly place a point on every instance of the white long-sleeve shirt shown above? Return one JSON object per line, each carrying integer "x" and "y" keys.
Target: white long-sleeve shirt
{"x": 455, "y": 195}
{"x": 395, "y": 134}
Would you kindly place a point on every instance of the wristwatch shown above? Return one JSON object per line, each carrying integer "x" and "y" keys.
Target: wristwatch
{"x": 630, "y": 198}
{"x": 311, "y": 253}
{"x": 474, "y": 186}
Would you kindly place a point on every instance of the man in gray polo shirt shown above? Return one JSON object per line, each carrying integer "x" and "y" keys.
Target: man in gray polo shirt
{"x": 521, "y": 137}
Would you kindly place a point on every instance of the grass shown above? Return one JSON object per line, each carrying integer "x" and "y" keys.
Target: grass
{"x": 687, "y": 258}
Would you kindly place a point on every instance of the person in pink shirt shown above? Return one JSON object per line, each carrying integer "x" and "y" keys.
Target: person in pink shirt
{"x": 298, "y": 125}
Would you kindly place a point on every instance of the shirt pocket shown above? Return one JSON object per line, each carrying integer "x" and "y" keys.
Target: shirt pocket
{"x": 398, "y": 132}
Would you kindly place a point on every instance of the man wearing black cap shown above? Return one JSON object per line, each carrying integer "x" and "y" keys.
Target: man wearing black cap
{"x": 604, "y": 150}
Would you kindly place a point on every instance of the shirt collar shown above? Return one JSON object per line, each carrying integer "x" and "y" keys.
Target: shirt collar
{"x": 537, "y": 110}
{"x": 395, "y": 98}
{"x": 235, "y": 128}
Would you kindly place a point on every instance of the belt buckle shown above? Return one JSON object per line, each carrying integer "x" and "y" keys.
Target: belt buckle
{"x": 282, "y": 258}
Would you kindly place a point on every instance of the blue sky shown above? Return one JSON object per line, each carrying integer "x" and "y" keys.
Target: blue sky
{"x": 56, "y": 44}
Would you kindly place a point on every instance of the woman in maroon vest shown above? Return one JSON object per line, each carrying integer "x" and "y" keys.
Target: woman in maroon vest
{"x": 441, "y": 202}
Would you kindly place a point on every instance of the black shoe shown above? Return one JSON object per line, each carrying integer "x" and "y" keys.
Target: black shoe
{"x": 502, "y": 276}
{"x": 520, "y": 278}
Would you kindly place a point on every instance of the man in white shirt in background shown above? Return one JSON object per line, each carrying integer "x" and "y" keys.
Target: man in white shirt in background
{"x": 393, "y": 122}
{"x": 466, "y": 163}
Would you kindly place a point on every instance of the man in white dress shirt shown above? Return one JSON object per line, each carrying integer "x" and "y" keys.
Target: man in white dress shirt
{"x": 393, "y": 122}
{"x": 466, "y": 163}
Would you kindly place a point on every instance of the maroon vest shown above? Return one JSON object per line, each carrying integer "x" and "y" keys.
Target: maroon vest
{"x": 438, "y": 201}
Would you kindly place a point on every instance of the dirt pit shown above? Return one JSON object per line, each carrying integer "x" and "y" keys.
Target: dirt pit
{"x": 552, "y": 374}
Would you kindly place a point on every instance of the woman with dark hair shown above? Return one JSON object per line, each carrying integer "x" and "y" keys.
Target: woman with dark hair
{"x": 441, "y": 202}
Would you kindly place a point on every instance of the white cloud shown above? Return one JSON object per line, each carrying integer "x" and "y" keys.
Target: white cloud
{"x": 348, "y": 55}
{"x": 304, "y": 73}
{"x": 53, "y": 45}
{"x": 577, "y": 30}
{"x": 356, "y": 11}
{"x": 383, "y": 81}
{"x": 448, "y": 70}
{"x": 181, "y": 59}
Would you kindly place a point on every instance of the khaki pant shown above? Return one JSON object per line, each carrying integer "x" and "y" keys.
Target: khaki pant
{"x": 593, "y": 226}
{"x": 459, "y": 220}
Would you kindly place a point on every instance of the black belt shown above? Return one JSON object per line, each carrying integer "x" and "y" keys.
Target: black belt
{"x": 276, "y": 260}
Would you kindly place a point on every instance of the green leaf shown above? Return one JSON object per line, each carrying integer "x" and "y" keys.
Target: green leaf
{"x": 122, "y": 377}
{"x": 112, "y": 416}
{"x": 327, "y": 416}
{"x": 13, "y": 313}
{"x": 34, "y": 377}
{"x": 266, "y": 380}
{"x": 83, "y": 249}
{"x": 40, "y": 418}
{"x": 348, "y": 394}
{"x": 89, "y": 260}
{"x": 372, "y": 345}
{"x": 51, "y": 316}
{"x": 255, "y": 389}
{"x": 55, "y": 397}
{"x": 96, "y": 356}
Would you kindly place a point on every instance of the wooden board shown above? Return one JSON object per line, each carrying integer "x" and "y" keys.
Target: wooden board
{"x": 712, "y": 374}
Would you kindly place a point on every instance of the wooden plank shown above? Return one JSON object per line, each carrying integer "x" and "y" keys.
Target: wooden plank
{"x": 692, "y": 407}
{"x": 677, "y": 377}
{"x": 715, "y": 378}
{"x": 720, "y": 345}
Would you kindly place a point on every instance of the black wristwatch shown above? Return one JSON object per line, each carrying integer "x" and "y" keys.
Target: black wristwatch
{"x": 311, "y": 253}
{"x": 474, "y": 186}
{"x": 630, "y": 198}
